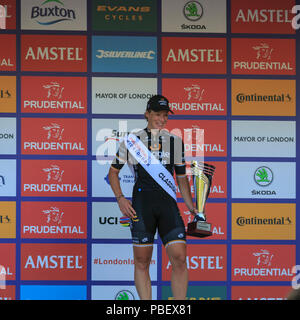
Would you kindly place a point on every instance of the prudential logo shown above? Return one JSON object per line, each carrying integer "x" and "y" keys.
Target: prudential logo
{"x": 52, "y": 12}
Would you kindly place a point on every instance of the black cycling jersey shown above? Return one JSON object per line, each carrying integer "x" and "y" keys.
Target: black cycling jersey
{"x": 167, "y": 148}
{"x": 155, "y": 209}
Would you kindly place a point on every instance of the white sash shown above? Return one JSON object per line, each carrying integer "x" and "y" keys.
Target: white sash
{"x": 152, "y": 165}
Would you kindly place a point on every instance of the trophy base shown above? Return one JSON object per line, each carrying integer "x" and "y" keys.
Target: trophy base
{"x": 199, "y": 229}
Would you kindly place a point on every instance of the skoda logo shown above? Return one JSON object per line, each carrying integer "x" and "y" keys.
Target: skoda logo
{"x": 124, "y": 295}
{"x": 263, "y": 176}
{"x": 193, "y": 10}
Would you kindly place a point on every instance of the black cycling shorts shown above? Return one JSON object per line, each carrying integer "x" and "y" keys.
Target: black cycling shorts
{"x": 155, "y": 209}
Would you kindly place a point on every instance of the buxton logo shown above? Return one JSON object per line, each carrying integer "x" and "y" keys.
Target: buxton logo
{"x": 46, "y": 15}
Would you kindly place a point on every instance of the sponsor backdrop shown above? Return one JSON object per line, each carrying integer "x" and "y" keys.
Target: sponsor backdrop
{"x": 75, "y": 76}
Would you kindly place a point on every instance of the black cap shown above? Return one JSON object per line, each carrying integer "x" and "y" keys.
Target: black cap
{"x": 158, "y": 103}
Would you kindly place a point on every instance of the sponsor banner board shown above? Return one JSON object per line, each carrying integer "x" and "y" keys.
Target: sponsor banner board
{"x": 198, "y": 293}
{"x": 8, "y": 136}
{"x": 196, "y": 96}
{"x": 124, "y": 15}
{"x": 205, "y": 16}
{"x": 263, "y": 138}
{"x": 53, "y": 292}
{"x": 122, "y": 95}
{"x": 7, "y": 220}
{"x": 118, "y": 292}
{"x": 54, "y": 178}
{"x": 8, "y": 177}
{"x": 55, "y": 53}
{"x": 9, "y": 13}
{"x": 68, "y": 15}
{"x": 205, "y": 263}
{"x": 218, "y": 188}
{"x": 132, "y": 54}
{"x": 264, "y": 180}
{"x": 66, "y": 95}
{"x": 8, "y": 261}
{"x": 262, "y": 16}
{"x": 262, "y": 262}
{"x": 53, "y": 261}
{"x": 8, "y": 94}
{"x": 263, "y": 97}
{"x": 266, "y": 221}
{"x": 213, "y": 143}
{"x": 108, "y": 222}
{"x": 191, "y": 56}
{"x": 8, "y": 293}
{"x": 263, "y": 56}
{"x": 53, "y": 220}
{"x": 107, "y": 134}
{"x": 259, "y": 292}
{"x": 115, "y": 262}
{"x": 54, "y": 136}
{"x": 216, "y": 214}
{"x": 8, "y": 52}
{"x": 100, "y": 182}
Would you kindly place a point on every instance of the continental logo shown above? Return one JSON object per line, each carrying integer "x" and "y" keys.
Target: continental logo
{"x": 264, "y": 97}
{"x": 244, "y": 221}
{"x": 267, "y": 221}
{"x": 8, "y": 94}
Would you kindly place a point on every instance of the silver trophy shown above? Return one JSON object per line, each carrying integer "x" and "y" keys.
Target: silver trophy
{"x": 202, "y": 177}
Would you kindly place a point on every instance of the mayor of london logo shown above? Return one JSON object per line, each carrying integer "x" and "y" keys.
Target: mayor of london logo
{"x": 263, "y": 176}
{"x": 193, "y": 10}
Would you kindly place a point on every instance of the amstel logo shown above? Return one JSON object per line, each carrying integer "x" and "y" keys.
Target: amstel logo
{"x": 53, "y": 53}
{"x": 204, "y": 262}
{"x": 188, "y": 55}
{"x": 53, "y": 261}
{"x": 261, "y": 16}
